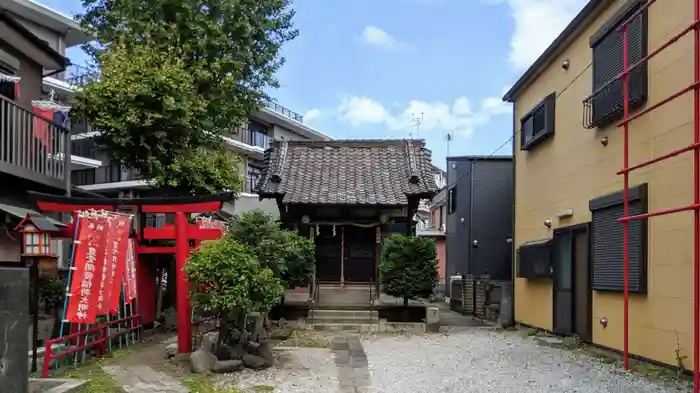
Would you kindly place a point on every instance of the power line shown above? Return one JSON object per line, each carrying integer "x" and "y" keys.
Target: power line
{"x": 517, "y": 133}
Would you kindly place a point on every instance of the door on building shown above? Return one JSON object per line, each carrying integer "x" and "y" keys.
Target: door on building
{"x": 360, "y": 248}
{"x": 572, "y": 291}
{"x": 327, "y": 254}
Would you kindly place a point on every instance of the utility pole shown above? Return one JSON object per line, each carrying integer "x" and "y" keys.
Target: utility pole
{"x": 417, "y": 121}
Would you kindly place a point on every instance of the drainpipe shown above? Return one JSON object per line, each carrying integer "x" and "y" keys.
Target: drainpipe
{"x": 512, "y": 235}
{"x": 471, "y": 218}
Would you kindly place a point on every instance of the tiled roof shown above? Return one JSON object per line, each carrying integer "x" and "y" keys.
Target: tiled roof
{"x": 374, "y": 172}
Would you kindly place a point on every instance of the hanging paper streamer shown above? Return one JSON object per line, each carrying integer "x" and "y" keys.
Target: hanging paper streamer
{"x": 87, "y": 270}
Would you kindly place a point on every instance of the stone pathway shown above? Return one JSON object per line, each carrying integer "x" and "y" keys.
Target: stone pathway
{"x": 143, "y": 379}
{"x": 351, "y": 360}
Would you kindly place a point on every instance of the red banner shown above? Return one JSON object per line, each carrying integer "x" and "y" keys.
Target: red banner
{"x": 120, "y": 248}
{"x": 105, "y": 288}
{"x": 130, "y": 273}
{"x": 87, "y": 270}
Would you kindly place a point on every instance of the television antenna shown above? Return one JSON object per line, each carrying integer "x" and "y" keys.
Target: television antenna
{"x": 448, "y": 139}
{"x": 417, "y": 121}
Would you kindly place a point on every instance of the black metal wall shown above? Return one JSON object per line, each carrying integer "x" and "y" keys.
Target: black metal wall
{"x": 484, "y": 212}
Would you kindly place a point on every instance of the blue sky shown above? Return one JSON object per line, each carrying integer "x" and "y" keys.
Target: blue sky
{"x": 367, "y": 68}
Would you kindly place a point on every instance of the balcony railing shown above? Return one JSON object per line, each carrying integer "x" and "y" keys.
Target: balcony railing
{"x": 105, "y": 174}
{"x": 84, "y": 148}
{"x": 250, "y": 182}
{"x": 78, "y": 75}
{"x": 253, "y": 135}
{"x": 275, "y": 107}
{"x": 31, "y": 146}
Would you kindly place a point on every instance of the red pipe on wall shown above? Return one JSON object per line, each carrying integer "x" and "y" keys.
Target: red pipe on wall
{"x": 696, "y": 201}
{"x": 626, "y": 204}
{"x": 695, "y": 147}
{"x": 184, "y": 327}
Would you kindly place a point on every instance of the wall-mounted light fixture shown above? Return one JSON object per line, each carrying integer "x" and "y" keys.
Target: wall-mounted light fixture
{"x": 565, "y": 64}
{"x": 604, "y": 322}
{"x": 604, "y": 140}
{"x": 564, "y": 214}
{"x": 548, "y": 223}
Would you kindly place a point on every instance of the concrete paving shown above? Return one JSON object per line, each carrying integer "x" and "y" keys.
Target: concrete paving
{"x": 143, "y": 379}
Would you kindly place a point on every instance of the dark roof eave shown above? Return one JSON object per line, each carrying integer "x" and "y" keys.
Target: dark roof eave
{"x": 423, "y": 195}
{"x": 583, "y": 18}
{"x": 41, "y": 44}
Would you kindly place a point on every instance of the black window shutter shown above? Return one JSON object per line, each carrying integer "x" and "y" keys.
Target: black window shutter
{"x": 608, "y": 261}
{"x": 608, "y": 63}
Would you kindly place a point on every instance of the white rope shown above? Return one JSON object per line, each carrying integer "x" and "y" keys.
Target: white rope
{"x": 9, "y": 78}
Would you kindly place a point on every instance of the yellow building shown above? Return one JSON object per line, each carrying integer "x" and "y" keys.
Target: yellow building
{"x": 567, "y": 151}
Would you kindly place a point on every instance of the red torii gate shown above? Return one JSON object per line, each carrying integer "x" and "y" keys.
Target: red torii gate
{"x": 182, "y": 232}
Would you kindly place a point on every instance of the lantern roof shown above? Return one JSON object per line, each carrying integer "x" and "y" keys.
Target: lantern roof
{"x": 40, "y": 222}
{"x": 22, "y": 213}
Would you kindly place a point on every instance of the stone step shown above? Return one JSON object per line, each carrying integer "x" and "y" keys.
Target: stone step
{"x": 345, "y": 327}
{"x": 335, "y": 320}
{"x": 321, "y": 313}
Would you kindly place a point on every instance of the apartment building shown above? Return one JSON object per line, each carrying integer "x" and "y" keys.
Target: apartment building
{"x": 34, "y": 125}
{"x": 569, "y": 196}
{"x": 271, "y": 122}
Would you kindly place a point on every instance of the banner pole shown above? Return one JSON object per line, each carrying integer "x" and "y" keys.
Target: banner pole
{"x": 76, "y": 220}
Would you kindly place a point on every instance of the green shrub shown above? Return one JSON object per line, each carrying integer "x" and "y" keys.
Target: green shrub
{"x": 408, "y": 268}
{"x": 230, "y": 280}
{"x": 289, "y": 255}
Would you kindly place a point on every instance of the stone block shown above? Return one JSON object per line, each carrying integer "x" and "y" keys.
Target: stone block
{"x": 255, "y": 362}
{"x": 202, "y": 361}
{"x": 14, "y": 322}
{"x": 227, "y": 366}
{"x": 432, "y": 319}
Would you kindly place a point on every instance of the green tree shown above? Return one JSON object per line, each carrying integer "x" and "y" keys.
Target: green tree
{"x": 290, "y": 256}
{"x": 179, "y": 73}
{"x": 233, "y": 282}
{"x": 150, "y": 114}
{"x": 408, "y": 268}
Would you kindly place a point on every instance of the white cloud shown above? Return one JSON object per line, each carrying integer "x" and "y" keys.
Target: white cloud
{"x": 537, "y": 24}
{"x": 312, "y": 114}
{"x": 460, "y": 117}
{"x": 373, "y": 35}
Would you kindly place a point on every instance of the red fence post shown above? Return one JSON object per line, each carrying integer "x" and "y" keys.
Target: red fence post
{"x": 47, "y": 359}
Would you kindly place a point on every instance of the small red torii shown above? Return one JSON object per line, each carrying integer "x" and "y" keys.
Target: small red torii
{"x": 182, "y": 232}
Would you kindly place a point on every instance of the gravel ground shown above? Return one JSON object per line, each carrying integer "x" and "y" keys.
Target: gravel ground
{"x": 300, "y": 370}
{"x": 480, "y": 360}
{"x": 473, "y": 360}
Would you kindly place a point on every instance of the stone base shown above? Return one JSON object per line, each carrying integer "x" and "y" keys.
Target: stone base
{"x": 51, "y": 385}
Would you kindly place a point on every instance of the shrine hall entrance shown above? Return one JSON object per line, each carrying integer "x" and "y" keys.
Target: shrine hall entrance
{"x": 348, "y": 254}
